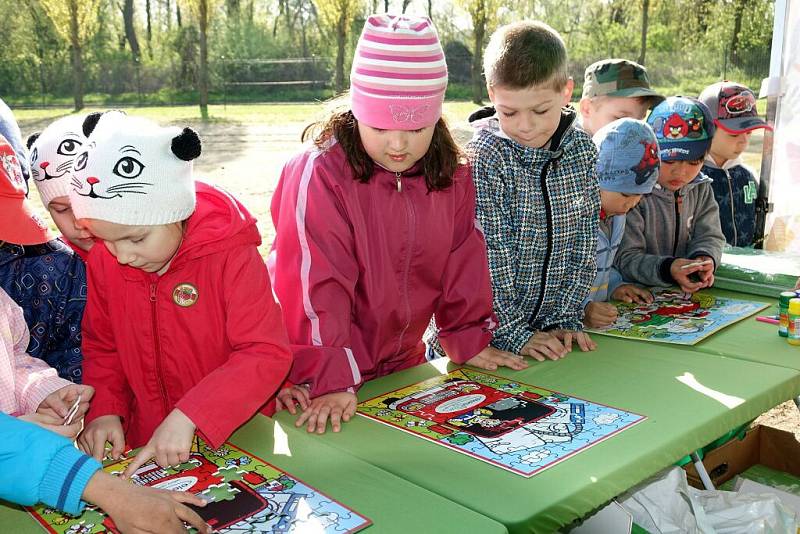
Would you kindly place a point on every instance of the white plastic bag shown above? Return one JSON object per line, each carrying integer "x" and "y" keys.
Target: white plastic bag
{"x": 666, "y": 504}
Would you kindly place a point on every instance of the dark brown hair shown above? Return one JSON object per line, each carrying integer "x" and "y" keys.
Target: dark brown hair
{"x": 438, "y": 165}
{"x": 523, "y": 54}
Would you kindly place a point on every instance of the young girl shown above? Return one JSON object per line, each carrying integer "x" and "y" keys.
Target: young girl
{"x": 181, "y": 332}
{"x": 52, "y": 154}
{"x": 376, "y": 231}
{"x": 29, "y": 388}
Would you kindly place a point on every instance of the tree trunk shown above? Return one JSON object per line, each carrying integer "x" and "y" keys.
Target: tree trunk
{"x": 643, "y": 47}
{"x": 77, "y": 60}
{"x": 385, "y": 6}
{"x": 232, "y": 8}
{"x": 479, "y": 33}
{"x": 130, "y": 31}
{"x": 430, "y": 10}
{"x": 203, "y": 82}
{"x": 149, "y": 28}
{"x": 405, "y": 5}
{"x": 738, "y": 9}
{"x": 169, "y": 15}
{"x": 178, "y": 14}
{"x": 341, "y": 42}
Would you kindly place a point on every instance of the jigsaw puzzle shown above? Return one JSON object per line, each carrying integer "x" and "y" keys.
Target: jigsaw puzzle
{"x": 521, "y": 428}
{"x": 678, "y": 317}
{"x": 245, "y": 494}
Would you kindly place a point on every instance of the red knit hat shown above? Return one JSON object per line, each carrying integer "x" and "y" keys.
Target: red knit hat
{"x": 19, "y": 224}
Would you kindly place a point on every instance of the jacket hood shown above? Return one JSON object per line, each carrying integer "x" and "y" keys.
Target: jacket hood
{"x": 701, "y": 178}
{"x": 725, "y": 166}
{"x": 219, "y": 222}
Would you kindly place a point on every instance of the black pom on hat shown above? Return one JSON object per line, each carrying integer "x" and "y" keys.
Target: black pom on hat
{"x": 187, "y": 146}
{"x": 32, "y": 139}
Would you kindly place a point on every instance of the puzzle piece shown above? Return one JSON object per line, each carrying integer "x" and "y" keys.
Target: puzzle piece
{"x": 219, "y": 492}
{"x": 229, "y": 473}
{"x": 193, "y": 463}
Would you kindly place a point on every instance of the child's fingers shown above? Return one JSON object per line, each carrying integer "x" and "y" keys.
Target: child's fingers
{"x": 336, "y": 419}
{"x": 322, "y": 418}
{"x": 301, "y": 396}
{"x": 186, "y": 497}
{"x": 139, "y": 460}
{"x": 98, "y": 445}
{"x": 305, "y": 416}
{"x": 568, "y": 341}
{"x": 187, "y": 515}
{"x": 117, "y": 439}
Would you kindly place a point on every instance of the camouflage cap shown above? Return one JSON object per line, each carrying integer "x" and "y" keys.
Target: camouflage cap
{"x": 618, "y": 77}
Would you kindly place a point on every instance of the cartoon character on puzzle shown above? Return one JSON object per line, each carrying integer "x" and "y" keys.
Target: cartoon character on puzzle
{"x": 463, "y": 405}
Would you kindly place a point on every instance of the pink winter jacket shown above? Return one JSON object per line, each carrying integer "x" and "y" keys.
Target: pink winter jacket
{"x": 360, "y": 268}
{"x": 25, "y": 381}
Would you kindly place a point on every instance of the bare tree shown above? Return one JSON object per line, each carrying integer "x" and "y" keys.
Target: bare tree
{"x": 130, "y": 29}
{"x": 202, "y": 10}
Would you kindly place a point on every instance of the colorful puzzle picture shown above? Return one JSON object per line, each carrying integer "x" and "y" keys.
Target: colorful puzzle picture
{"x": 245, "y": 494}
{"x": 678, "y": 317}
{"x": 521, "y": 428}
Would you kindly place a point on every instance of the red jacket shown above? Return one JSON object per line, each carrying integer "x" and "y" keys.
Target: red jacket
{"x": 218, "y": 357}
{"x": 359, "y": 269}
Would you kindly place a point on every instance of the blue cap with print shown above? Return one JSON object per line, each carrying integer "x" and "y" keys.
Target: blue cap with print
{"x": 628, "y": 157}
{"x": 683, "y": 127}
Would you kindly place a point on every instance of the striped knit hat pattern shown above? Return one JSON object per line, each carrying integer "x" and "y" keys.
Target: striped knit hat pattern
{"x": 399, "y": 74}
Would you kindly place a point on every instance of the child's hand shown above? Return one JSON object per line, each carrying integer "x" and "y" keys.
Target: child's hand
{"x": 53, "y": 424}
{"x": 94, "y": 436}
{"x": 567, "y": 337}
{"x": 491, "y": 358}
{"x": 681, "y": 276}
{"x": 338, "y": 406}
{"x": 59, "y": 402}
{"x": 140, "y": 509}
{"x": 599, "y": 314}
{"x": 289, "y": 398}
{"x": 632, "y": 293}
{"x": 706, "y": 272}
{"x": 170, "y": 444}
{"x": 543, "y": 345}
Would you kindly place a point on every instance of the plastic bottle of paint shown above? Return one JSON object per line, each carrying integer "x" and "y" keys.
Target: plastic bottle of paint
{"x": 794, "y": 322}
{"x": 783, "y": 312}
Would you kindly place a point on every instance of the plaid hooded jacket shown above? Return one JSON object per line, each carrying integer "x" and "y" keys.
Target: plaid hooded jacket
{"x": 539, "y": 209}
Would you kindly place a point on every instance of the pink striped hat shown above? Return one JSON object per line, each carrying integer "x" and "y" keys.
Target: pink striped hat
{"x": 399, "y": 74}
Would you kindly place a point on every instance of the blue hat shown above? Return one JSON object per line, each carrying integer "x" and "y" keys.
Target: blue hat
{"x": 628, "y": 157}
{"x": 683, "y": 127}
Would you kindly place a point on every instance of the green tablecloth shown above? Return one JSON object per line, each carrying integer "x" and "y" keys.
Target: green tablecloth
{"x": 634, "y": 376}
{"x": 750, "y": 339}
{"x": 393, "y": 505}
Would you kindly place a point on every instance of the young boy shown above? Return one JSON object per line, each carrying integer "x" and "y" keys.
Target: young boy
{"x": 52, "y": 153}
{"x": 613, "y": 89}
{"x": 733, "y": 108}
{"x": 41, "y": 274}
{"x": 627, "y": 168}
{"x": 537, "y": 195}
{"x": 673, "y": 236}
{"x": 181, "y": 332}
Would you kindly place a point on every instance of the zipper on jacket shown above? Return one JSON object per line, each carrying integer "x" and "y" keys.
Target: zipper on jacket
{"x": 733, "y": 212}
{"x": 398, "y": 177}
{"x": 407, "y": 268}
{"x": 549, "y": 220}
{"x": 157, "y": 346}
{"x": 678, "y": 202}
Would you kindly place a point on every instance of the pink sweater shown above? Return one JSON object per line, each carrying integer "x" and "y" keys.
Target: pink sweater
{"x": 24, "y": 380}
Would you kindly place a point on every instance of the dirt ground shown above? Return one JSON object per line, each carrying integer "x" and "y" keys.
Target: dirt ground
{"x": 244, "y": 153}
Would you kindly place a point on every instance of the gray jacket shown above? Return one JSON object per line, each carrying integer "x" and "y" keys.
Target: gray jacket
{"x": 668, "y": 225}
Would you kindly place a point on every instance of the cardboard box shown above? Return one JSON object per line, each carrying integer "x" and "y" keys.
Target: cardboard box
{"x": 776, "y": 449}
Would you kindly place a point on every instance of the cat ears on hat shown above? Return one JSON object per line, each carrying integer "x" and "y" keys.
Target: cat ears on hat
{"x": 186, "y": 145}
{"x": 32, "y": 139}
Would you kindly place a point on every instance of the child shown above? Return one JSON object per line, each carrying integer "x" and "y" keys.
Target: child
{"x": 39, "y": 466}
{"x": 733, "y": 109}
{"x": 674, "y": 232}
{"x": 29, "y": 388}
{"x": 181, "y": 332}
{"x": 627, "y": 168}
{"x": 52, "y": 153}
{"x": 10, "y": 130}
{"x": 376, "y": 231}
{"x": 41, "y": 274}
{"x": 613, "y": 89}
{"x": 538, "y": 200}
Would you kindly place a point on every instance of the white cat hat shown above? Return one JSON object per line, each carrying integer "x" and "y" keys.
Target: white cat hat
{"x": 133, "y": 171}
{"x": 52, "y": 153}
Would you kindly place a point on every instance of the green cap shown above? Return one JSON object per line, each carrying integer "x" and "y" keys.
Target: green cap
{"x": 618, "y": 77}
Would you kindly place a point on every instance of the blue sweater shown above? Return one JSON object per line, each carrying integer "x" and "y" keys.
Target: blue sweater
{"x": 39, "y": 466}
{"x": 608, "y": 278}
{"x": 735, "y": 190}
{"x": 49, "y": 283}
